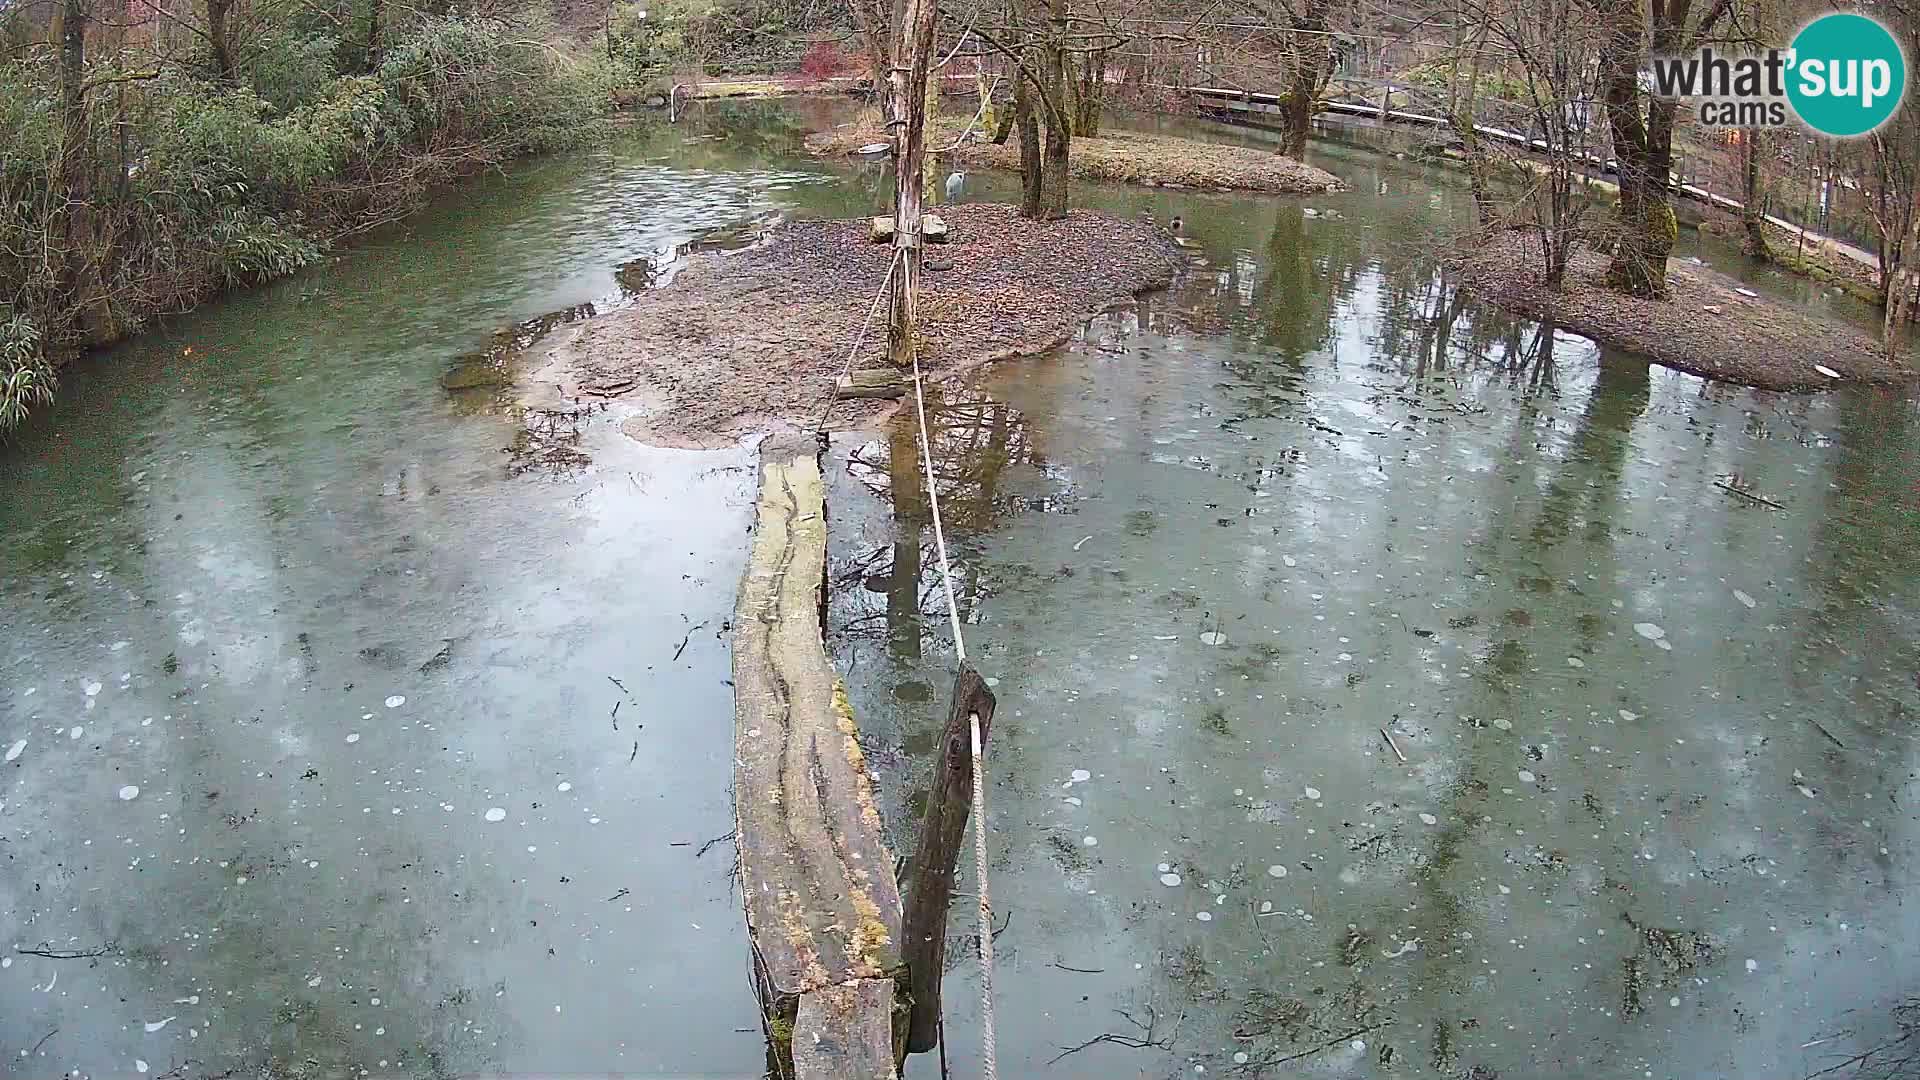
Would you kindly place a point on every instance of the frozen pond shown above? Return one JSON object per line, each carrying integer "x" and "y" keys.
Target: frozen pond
{"x": 309, "y": 670}
{"x": 347, "y": 726}
{"x": 1656, "y": 813}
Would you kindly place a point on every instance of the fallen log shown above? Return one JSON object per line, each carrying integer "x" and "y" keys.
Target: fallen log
{"x": 823, "y": 908}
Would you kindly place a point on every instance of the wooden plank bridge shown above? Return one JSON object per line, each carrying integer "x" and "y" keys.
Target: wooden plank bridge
{"x": 823, "y": 907}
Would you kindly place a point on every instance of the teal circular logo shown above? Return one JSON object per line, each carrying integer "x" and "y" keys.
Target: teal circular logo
{"x": 1847, "y": 76}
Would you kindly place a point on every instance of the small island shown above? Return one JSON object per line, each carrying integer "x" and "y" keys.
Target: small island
{"x": 755, "y": 340}
{"x": 1128, "y": 157}
{"x": 1706, "y": 324}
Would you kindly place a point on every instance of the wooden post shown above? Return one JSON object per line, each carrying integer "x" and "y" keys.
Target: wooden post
{"x": 943, "y": 833}
{"x": 907, "y": 117}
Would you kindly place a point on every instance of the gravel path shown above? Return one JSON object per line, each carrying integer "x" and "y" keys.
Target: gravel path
{"x": 754, "y": 340}
{"x": 1706, "y": 326}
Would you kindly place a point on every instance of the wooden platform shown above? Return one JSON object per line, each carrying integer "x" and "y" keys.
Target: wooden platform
{"x": 823, "y": 908}
{"x": 871, "y": 383}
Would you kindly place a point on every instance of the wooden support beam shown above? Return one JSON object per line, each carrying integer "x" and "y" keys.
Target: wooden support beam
{"x": 823, "y": 908}
{"x": 933, "y": 229}
{"x": 943, "y": 833}
{"x": 871, "y": 383}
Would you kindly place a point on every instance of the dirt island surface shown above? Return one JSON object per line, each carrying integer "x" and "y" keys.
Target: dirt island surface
{"x": 754, "y": 340}
{"x": 1707, "y": 326}
{"x": 1127, "y": 157}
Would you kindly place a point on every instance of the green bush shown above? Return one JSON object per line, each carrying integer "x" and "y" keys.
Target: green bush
{"x": 207, "y": 150}
{"x": 471, "y": 78}
{"x": 294, "y": 69}
{"x": 247, "y": 247}
{"x": 26, "y": 379}
{"x": 192, "y": 186}
{"x": 350, "y": 121}
{"x": 647, "y": 38}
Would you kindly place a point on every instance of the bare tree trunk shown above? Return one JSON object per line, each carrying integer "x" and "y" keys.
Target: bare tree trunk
{"x": 1663, "y": 228}
{"x": 220, "y": 41}
{"x": 1056, "y": 83}
{"x": 870, "y": 16}
{"x": 1003, "y": 126}
{"x": 1053, "y": 173}
{"x": 70, "y": 220}
{"x": 1053, "y": 183}
{"x": 78, "y": 246}
{"x": 1643, "y": 144}
{"x": 929, "y": 165}
{"x": 907, "y": 86}
{"x": 1904, "y": 280}
{"x": 1313, "y": 64}
{"x": 376, "y": 14}
{"x": 1031, "y": 166}
{"x": 943, "y": 830}
{"x": 73, "y": 112}
{"x": 1465, "y": 118}
{"x": 1752, "y": 195}
{"x": 1089, "y": 98}
{"x": 1883, "y": 174}
{"x": 1631, "y": 270}
{"x": 991, "y": 121}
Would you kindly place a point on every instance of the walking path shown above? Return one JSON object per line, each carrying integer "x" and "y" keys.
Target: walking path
{"x": 1252, "y": 102}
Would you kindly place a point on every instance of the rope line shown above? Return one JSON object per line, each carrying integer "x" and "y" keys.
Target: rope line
{"x": 989, "y": 1066}
{"x": 933, "y": 502}
{"x": 833, "y": 391}
{"x": 990, "y": 1069}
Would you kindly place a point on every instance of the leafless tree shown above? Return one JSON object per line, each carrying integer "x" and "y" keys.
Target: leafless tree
{"x": 1642, "y": 128}
{"x": 1551, "y": 48}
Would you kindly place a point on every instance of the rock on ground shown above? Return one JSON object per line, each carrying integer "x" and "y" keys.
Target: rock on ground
{"x": 1704, "y": 327}
{"x": 754, "y": 340}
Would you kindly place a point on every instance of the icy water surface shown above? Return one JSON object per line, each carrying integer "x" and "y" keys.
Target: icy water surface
{"x": 1244, "y": 547}
{"x": 353, "y": 726}
{"x": 351, "y": 723}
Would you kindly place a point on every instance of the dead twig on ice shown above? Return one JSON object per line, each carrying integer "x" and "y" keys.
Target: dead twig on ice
{"x": 1391, "y": 745}
{"x": 1330, "y": 1043}
{"x": 1747, "y": 495}
{"x": 1145, "y": 1040}
{"x": 683, "y": 641}
{"x": 1894, "y": 1059}
{"x": 67, "y": 954}
{"x": 1079, "y": 970}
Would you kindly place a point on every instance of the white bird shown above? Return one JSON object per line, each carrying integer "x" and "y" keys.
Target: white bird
{"x": 955, "y": 180}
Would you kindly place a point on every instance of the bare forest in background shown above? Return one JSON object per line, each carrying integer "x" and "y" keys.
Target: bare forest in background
{"x": 161, "y": 150}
